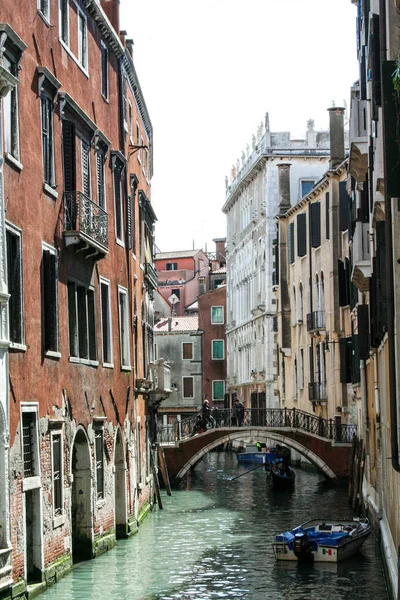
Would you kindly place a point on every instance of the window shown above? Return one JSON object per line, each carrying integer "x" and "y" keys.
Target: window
{"x": 118, "y": 203}
{"x": 139, "y": 450}
{"x": 81, "y": 321}
{"x": 47, "y": 139}
{"x": 327, "y": 215}
{"x": 188, "y": 387}
{"x": 306, "y": 186}
{"x": 99, "y": 444}
{"x": 217, "y": 352}
{"x": 172, "y": 266}
{"x": 141, "y": 151}
{"x": 30, "y": 441}
{"x": 217, "y": 315}
{"x": 344, "y": 207}
{"x": 101, "y": 176}
{"x": 44, "y": 8}
{"x": 104, "y": 70}
{"x": 294, "y": 307}
{"x": 106, "y": 321}
{"x": 130, "y": 123}
{"x": 124, "y": 327}
{"x": 291, "y": 243}
{"x": 176, "y": 292}
{"x": 295, "y": 379}
{"x": 15, "y": 287}
{"x": 64, "y": 21}
{"x": 50, "y": 299}
{"x": 218, "y": 390}
{"x": 187, "y": 351}
{"x": 10, "y": 110}
{"x": 82, "y": 39}
{"x": 57, "y": 472}
{"x": 138, "y": 139}
{"x": 301, "y": 303}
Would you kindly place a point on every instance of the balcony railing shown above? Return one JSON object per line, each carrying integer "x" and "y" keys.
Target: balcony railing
{"x": 317, "y": 392}
{"x": 151, "y": 274}
{"x": 316, "y": 320}
{"x": 85, "y": 221}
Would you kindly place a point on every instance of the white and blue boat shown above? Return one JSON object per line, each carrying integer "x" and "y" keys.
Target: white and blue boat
{"x": 254, "y": 455}
{"x": 322, "y": 541}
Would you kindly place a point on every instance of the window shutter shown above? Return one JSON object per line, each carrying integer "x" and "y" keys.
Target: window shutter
{"x": 327, "y": 216}
{"x": 390, "y": 141}
{"x": 355, "y": 359}
{"x": 85, "y": 168}
{"x": 342, "y": 284}
{"x": 91, "y": 325}
{"x": 117, "y": 192}
{"x": 72, "y": 320}
{"x": 315, "y": 214}
{"x": 363, "y": 331}
{"x": 50, "y": 300}
{"x": 376, "y": 62}
{"x": 82, "y": 322}
{"x": 129, "y": 220}
{"x": 343, "y": 357}
{"x": 14, "y": 287}
{"x": 381, "y": 275}
{"x": 344, "y": 207}
{"x": 363, "y": 77}
{"x": 69, "y": 162}
{"x": 291, "y": 243}
{"x": 100, "y": 179}
{"x": 301, "y": 235}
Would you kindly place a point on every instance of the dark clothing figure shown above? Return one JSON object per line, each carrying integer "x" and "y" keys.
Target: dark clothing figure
{"x": 216, "y": 415}
{"x": 207, "y": 419}
{"x": 284, "y": 454}
{"x": 239, "y": 413}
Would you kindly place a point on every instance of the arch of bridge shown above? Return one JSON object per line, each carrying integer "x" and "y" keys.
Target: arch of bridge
{"x": 260, "y": 435}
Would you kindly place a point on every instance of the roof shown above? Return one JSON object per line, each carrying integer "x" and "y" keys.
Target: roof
{"x": 178, "y": 324}
{"x": 177, "y": 254}
{"x": 193, "y": 306}
{"x": 218, "y": 271}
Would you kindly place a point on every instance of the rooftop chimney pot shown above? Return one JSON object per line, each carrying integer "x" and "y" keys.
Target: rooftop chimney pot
{"x": 336, "y": 134}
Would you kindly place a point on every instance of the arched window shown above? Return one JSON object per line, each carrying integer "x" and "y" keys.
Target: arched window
{"x": 295, "y": 385}
{"x": 321, "y": 292}
{"x": 316, "y": 305}
{"x": 294, "y": 308}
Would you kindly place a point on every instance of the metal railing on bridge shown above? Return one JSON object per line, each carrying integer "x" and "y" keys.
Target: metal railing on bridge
{"x": 330, "y": 429}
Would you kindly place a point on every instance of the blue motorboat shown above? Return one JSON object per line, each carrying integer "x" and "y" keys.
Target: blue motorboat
{"x": 322, "y": 541}
{"x": 257, "y": 455}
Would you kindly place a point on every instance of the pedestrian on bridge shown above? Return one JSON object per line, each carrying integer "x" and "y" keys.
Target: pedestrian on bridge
{"x": 239, "y": 413}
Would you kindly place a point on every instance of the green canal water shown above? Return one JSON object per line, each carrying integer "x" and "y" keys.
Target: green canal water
{"x": 213, "y": 541}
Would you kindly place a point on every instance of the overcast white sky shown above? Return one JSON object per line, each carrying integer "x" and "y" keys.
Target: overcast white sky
{"x": 209, "y": 70}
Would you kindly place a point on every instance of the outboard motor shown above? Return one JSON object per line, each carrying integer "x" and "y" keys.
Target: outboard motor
{"x": 302, "y": 548}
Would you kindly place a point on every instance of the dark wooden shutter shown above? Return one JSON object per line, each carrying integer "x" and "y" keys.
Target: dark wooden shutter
{"x": 301, "y": 235}
{"x": 391, "y": 113}
{"x": 69, "y": 160}
{"x": 345, "y": 349}
{"x": 327, "y": 228}
{"x": 376, "y": 62}
{"x": 118, "y": 208}
{"x": 315, "y": 214}
{"x": 14, "y": 287}
{"x": 82, "y": 322}
{"x": 342, "y": 284}
{"x": 355, "y": 359}
{"x": 381, "y": 274}
{"x": 344, "y": 207}
{"x": 104, "y": 71}
{"x": 129, "y": 220}
{"x": 100, "y": 179}
{"x": 50, "y": 277}
{"x": 363, "y": 76}
{"x": 72, "y": 320}
{"x": 363, "y": 331}
{"x": 85, "y": 149}
{"x": 291, "y": 243}
{"x": 91, "y": 324}
{"x": 363, "y": 211}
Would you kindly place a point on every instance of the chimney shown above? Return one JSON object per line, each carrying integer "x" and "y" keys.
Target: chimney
{"x": 129, "y": 45}
{"x": 111, "y": 8}
{"x": 220, "y": 250}
{"x": 336, "y": 133}
{"x": 202, "y": 285}
{"x": 284, "y": 187}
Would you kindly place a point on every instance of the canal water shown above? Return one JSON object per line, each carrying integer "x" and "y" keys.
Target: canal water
{"x": 213, "y": 541}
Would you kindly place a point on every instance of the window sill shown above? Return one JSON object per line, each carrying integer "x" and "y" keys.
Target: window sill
{"x": 120, "y": 243}
{"x": 83, "y": 361}
{"x": 108, "y": 365}
{"x": 52, "y": 354}
{"x": 18, "y": 347}
{"x": 126, "y": 368}
{"x": 44, "y": 18}
{"x": 31, "y": 483}
{"x": 13, "y": 162}
{"x": 58, "y": 521}
{"x": 72, "y": 55}
{"x": 50, "y": 191}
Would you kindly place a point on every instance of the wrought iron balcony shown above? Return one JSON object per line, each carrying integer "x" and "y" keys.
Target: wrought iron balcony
{"x": 85, "y": 224}
{"x": 150, "y": 275}
{"x": 316, "y": 320}
{"x": 317, "y": 392}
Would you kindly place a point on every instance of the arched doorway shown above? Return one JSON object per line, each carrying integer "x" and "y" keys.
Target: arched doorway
{"x": 81, "y": 502}
{"x": 120, "y": 487}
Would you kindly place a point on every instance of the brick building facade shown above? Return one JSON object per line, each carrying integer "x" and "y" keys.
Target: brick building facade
{"x": 78, "y": 238}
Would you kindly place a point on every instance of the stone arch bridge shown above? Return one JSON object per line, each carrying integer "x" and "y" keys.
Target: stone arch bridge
{"x": 325, "y": 443}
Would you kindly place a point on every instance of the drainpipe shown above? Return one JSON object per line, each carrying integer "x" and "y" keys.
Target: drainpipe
{"x": 389, "y": 279}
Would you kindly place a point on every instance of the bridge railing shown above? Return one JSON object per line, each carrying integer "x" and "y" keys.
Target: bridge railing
{"x": 329, "y": 429}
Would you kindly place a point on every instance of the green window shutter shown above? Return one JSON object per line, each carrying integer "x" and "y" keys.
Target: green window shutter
{"x": 315, "y": 215}
{"x": 301, "y": 235}
{"x": 291, "y": 243}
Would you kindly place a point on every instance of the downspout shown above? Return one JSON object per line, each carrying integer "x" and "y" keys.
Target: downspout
{"x": 390, "y": 271}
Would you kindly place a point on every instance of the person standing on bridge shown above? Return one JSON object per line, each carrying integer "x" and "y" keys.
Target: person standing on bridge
{"x": 239, "y": 413}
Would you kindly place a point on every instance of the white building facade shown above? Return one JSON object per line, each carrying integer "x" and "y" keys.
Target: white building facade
{"x": 251, "y": 208}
